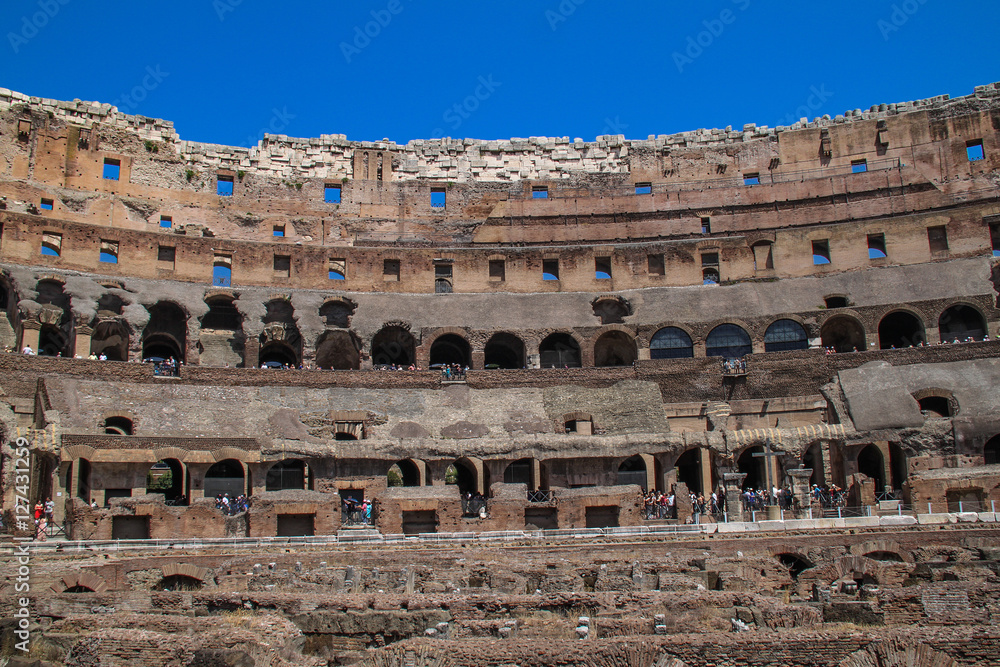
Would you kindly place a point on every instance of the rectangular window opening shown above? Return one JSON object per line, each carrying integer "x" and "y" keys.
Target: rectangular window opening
{"x": 112, "y": 169}
{"x": 222, "y": 271}
{"x": 165, "y": 254}
{"x": 710, "y": 259}
{"x": 47, "y": 204}
{"x": 655, "y": 265}
{"x": 166, "y": 221}
{"x": 283, "y": 265}
{"x": 390, "y": 270}
{"x": 109, "y": 252}
{"x": 644, "y": 188}
{"x": 540, "y": 192}
{"x": 995, "y": 239}
{"x": 439, "y": 197}
{"x": 937, "y": 238}
{"x": 279, "y": 231}
{"x": 338, "y": 268}
{"x": 821, "y": 252}
{"x": 224, "y": 186}
{"x": 876, "y": 246}
{"x": 602, "y": 268}
{"x": 859, "y": 166}
{"x": 331, "y": 194}
{"x": 550, "y": 269}
{"x": 974, "y": 149}
{"x": 706, "y": 225}
{"x": 498, "y": 270}
{"x": 751, "y": 179}
{"x": 51, "y": 244}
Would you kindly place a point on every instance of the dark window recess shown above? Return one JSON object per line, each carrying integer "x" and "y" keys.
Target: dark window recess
{"x": 331, "y": 194}
{"x": 283, "y": 264}
{"x": 166, "y": 221}
{"x": 706, "y": 225}
{"x": 937, "y": 238}
{"x": 439, "y": 197}
{"x": 974, "y": 149}
{"x": 655, "y": 265}
{"x": 540, "y": 192}
{"x": 498, "y": 269}
{"x": 224, "y": 186}
{"x": 995, "y": 239}
{"x": 550, "y": 269}
{"x": 602, "y": 268}
{"x": 710, "y": 259}
{"x": 835, "y": 301}
{"x": 644, "y": 188}
{"x": 112, "y": 169}
{"x": 876, "y": 246}
{"x": 859, "y": 166}
{"x": 390, "y": 269}
{"x": 279, "y": 230}
{"x": 47, "y": 204}
{"x": 821, "y": 252}
{"x": 165, "y": 253}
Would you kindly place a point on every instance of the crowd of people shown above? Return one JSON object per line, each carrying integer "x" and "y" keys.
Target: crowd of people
{"x": 755, "y": 500}
{"x": 828, "y": 497}
{"x": 356, "y": 513}
{"x": 734, "y": 366}
{"x": 660, "y": 505}
{"x": 230, "y": 506}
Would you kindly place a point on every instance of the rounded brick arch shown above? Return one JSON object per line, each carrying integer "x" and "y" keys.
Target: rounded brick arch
{"x": 73, "y": 452}
{"x": 187, "y": 570}
{"x": 887, "y": 546}
{"x": 163, "y": 453}
{"x": 898, "y": 652}
{"x": 708, "y": 327}
{"x": 428, "y": 340}
{"x": 89, "y": 580}
{"x": 240, "y": 455}
{"x": 841, "y": 567}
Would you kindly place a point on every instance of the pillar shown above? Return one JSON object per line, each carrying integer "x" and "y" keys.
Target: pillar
{"x": 81, "y": 346}
{"x": 883, "y": 446}
{"x": 30, "y": 332}
{"x": 800, "y": 487}
{"x": 478, "y": 360}
{"x": 644, "y": 354}
{"x": 733, "y": 482}
{"x": 251, "y": 352}
{"x": 705, "y": 459}
{"x": 536, "y": 474}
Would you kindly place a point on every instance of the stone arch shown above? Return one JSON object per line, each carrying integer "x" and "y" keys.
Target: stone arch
{"x": 186, "y": 570}
{"x": 871, "y": 463}
{"x": 900, "y": 328}
{"x": 785, "y": 334}
{"x": 221, "y": 338}
{"x": 795, "y": 562}
{"x": 450, "y": 347}
{"x": 336, "y": 311}
{"x": 504, "y": 350}
{"x": 522, "y": 471}
{"x": 936, "y": 402}
{"x": 411, "y": 472}
{"x": 689, "y": 468}
{"x": 393, "y": 344}
{"x": 728, "y": 340}
{"x": 636, "y": 469}
{"x": 165, "y": 334}
{"x": 170, "y": 453}
{"x": 224, "y": 453}
{"x": 671, "y": 342}
{"x": 280, "y": 340}
{"x": 225, "y": 476}
{"x": 84, "y": 579}
{"x": 117, "y": 424}
{"x": 882, "y": 547}
{"x": 843, "y": 333}
{"x": 338, "y": 349}
{"x": 896, "y": 652}
{"x": 615, "y": 347}
{"x": 961, "y": 321}
{"x": 472, "y": 475}
{"x": 156, "y": 480}
{"x": 560, "y": 349}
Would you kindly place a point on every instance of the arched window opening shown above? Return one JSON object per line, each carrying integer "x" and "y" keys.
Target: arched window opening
{"x": 615, "y": 348}
{"x": 290, "y": 474}
{"x": 899, "y": 330}
{"x": 53, "y": 342}
{"x": 671, "y": 343}
{"x": 872, "y": 463}
{"x": 451, "y": 349}
{"x": 110, "y": 339}
{"x": 277, "y": 354}
{"x": 222, "y": 315}
{"x": 520, "y": 472}
{"x": 225, "y": 477}
{"x": 843, "y": 334}
{"x": 118, "y": 426}
{"x": 179, "y": 583}
{"x": 463, "y": 474}
{"x": 960, "y": 323}
{"x": 504, "y": 350}
{"x": 886, "y": 556}
{"x": 167, "y": 477}
{"x": 688, "y": 467}
{"x": 935, "y": 406}
{"x": 794, "y": 563}
{"x": 559, "y": 350}
{"x": 405, "y": 473}
{"x": 729, "y": 341}
{"x": 632, "y": 471}
{"x": 785, "y": 335}
{"x": 79, "y": 589}
{"x": 393, "y": 345}
{"x": 813, "y": 459}
{"x": 991, "y": 451}
{"x": 338, "y": 350}
{"x": 165, "y": 335}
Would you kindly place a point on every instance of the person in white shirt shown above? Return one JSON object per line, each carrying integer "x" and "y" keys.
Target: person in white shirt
{"x": 27, "y": 350}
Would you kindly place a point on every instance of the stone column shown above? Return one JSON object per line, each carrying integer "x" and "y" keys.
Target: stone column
{"x": 800, "y": 488}
{"x": 30, "y": 331}
{"x": 251, "y": 352}
{"x": 81, "y": 347}
{"x": 478, "y": 360}
{"x": 733, "y": 482}
{"x": 705, "y": 459}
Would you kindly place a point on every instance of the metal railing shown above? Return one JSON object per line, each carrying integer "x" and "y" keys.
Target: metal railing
{"x": 539, "y": 496}
{"x": 474, "y": 507}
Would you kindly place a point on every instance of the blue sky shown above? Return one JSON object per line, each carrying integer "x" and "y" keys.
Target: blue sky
{"x": 226, "y": 71}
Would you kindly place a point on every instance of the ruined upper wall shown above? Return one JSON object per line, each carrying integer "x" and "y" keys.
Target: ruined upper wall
{"x": 332, "y": 156}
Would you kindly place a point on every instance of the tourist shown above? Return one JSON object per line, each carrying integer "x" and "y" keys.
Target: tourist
{"x": 28, "y": 351}
{"x": 50, "y": 508}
